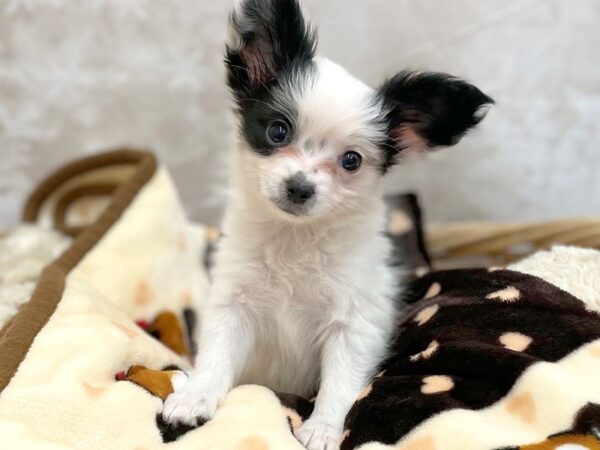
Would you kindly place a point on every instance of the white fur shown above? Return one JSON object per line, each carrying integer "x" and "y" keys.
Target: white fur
{"x": 24, "y": 252}
{"x": 573, "y": 269}
{"x": 301, "y": 303}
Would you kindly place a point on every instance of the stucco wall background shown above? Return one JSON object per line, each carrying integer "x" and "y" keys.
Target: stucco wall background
{"x": 77, "y": 77}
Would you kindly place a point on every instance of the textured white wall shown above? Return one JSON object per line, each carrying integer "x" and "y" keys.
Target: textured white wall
{"x": 76, "y": 77}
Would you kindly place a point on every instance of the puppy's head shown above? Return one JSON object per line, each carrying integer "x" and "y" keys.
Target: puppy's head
{"x": 317, "y": 140}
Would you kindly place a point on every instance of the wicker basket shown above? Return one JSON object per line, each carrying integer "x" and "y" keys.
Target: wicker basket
{"x": 497, "y": 244}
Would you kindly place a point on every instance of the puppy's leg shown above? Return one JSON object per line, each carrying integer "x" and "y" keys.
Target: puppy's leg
{"x": 348, "y": 361}
{"x": 224, "y": 344}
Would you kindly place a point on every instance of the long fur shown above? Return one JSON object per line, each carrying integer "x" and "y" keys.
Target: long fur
{"x": 303, "y": 293}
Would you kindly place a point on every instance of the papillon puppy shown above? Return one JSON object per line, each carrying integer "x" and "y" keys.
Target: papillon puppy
{"x": 303, "y": 298}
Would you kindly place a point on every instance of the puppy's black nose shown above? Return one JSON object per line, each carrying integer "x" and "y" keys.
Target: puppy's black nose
{"x": 299, "y": 190}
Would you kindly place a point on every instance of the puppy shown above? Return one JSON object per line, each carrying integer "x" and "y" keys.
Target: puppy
{"x": 303, "y": 297}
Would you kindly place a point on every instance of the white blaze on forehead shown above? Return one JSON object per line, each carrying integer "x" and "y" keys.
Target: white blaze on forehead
{"x": 336, "y": 108}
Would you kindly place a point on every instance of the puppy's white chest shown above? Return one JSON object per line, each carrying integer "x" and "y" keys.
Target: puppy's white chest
{"x": 292, "y": 305}
{"x": 298, "y": 288}
{"x": 298, "y": 271}
{"x": 286, "y": 351}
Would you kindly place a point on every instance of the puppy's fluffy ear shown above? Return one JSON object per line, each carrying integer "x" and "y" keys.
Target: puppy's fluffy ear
{"x": 424, "y": 110}
{"x": 266, "y": 37}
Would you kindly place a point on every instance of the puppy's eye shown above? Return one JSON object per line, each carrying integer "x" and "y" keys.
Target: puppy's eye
{"x": 351, "y": 161}
{"x": 278, "y": 132}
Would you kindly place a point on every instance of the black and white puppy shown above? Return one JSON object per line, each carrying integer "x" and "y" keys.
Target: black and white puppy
{"x": 303, "y": 296}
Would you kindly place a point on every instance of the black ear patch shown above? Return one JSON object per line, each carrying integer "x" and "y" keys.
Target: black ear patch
{"x": 425, "y": 110}
{"x": 267, "y": 38}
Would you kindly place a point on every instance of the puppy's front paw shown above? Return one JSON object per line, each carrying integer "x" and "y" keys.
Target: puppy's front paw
{"x": 316, "y": 434}
{"x": 188, "y": 405}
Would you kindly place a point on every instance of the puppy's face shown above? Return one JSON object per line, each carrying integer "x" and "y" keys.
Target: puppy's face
{"x": 314, "y": 142}
{"x": 317, "y": 140}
